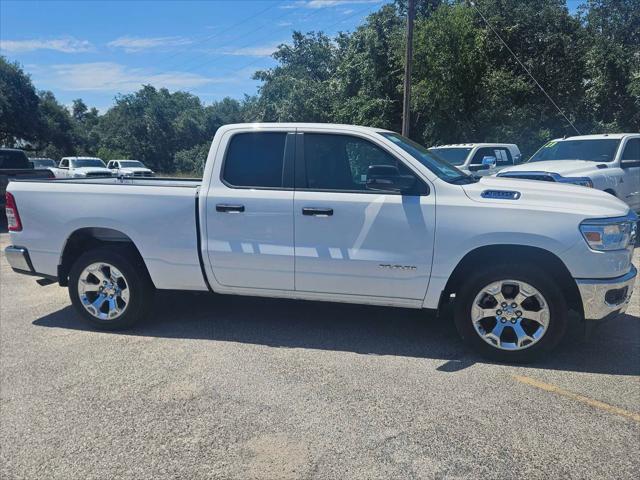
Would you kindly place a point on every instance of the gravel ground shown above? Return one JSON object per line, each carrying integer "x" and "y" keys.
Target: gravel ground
{"x": 248, "y": 388}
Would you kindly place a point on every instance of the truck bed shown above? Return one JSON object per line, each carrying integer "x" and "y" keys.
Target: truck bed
{"x": 157, "y": 214}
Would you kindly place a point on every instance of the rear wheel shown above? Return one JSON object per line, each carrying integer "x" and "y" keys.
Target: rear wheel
{"x": 511, "y": 313}
{"x": 109, "y": 288}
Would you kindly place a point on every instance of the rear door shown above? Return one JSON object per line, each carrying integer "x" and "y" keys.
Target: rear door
{"x": 354, "y": 241}
{"x": 249, "y": 210}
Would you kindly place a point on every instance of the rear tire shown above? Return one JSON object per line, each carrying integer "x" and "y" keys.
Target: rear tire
{"x": 526, "y": 318}
{"x": 110, "y": 288}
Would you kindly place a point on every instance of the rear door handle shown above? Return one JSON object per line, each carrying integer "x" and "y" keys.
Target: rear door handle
{"x": 317, "y": 212}
{"x": 221, "y": 207}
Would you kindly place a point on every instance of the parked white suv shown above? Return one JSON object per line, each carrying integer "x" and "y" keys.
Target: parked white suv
{"x": 129, "y": 168}
{"x": 338, "y": 213}
{"x": 479, "y": 159}
{"x": 609, "y": 162}
{"x": 79, "y": 167}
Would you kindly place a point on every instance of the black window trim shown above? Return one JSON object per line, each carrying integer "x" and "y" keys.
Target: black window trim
{"x": 300, "y": 170}
{"x": 287, "y": 164}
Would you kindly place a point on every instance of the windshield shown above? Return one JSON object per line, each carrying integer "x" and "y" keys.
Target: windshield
{"x": 455, "y": 156}
{"x": 437, "y": 165}
{"x": 87, "y": 162}
{"x": 131, "y": 163}
{"x": 592, "y": 150}
{"x": 44, "y": 162}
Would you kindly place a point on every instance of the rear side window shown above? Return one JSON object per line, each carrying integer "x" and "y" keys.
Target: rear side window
{"x": 255, "y": 160}
{"x": 14, "y": 159}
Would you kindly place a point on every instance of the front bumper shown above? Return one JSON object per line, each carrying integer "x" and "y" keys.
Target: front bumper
{"x": 603, "y": 298}
{"x": 18, "y": 258}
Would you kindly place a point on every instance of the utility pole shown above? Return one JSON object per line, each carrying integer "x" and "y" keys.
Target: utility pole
{"x": 408, "y": 64}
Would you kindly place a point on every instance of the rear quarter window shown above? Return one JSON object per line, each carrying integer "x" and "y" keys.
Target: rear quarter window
{"x": 14, "y": 159}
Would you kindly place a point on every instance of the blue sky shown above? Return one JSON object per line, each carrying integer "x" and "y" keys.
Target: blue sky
{"x": 96, "y": 49}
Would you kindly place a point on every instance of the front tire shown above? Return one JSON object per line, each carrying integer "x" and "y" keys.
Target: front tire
{"x": 110, "y": 288}
{"x": 511, "y": 313}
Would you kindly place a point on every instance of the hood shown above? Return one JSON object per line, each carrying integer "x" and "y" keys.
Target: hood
{"x": 92, "y": 170}
{"x": 566, "y": 168}
{"x": 552, "y": 196}
{"x": 135, "y": 169}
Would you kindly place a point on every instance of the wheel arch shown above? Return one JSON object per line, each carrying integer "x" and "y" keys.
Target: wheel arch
{"x": 87, "y": 238}
{"x": 514, "y": 254}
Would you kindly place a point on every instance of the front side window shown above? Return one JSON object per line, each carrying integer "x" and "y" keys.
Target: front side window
{"x": 632, "y": 150}
{"x": 600, "y": 150}
{"x": 255, "y": 159}
{"x": 64, "y": 164}
{"x": 343, "y": 162}
{"x": 444, "y": 170}
{"x": 503, "y": 156}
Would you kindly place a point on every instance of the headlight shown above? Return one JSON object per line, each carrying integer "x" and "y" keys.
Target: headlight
{"x": 584, "y": 181}
{"x": 610, "y": 233}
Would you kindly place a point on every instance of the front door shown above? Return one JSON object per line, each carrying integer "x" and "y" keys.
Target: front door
{"x": 351, "y": 240}
{"x": 249, "y": 211}
{"x": 630, "y": 163}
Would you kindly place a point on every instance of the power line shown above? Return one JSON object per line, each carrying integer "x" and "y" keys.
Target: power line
{"x": 235, "y": 25}
{"x": 242, "y": 67}
{"x": 524, "y": 67}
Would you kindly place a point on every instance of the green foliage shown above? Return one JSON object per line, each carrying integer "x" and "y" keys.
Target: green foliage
{"x": 467, "y": 87}
{"x": 19, "y": 116}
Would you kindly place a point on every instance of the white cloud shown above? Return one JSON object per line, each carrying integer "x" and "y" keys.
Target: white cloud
{"x": 116, "y": 78}
{"x": 65, "y": 45}
{"x": 136, "y": 44}
{"x": 325, "y": 3}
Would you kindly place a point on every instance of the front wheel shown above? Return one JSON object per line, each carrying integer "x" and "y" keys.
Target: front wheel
{"x": 511, "y": 313}
{"x": 109, "y": 288}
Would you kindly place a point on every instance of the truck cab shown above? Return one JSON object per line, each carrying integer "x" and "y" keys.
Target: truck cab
{"x": 479, "y": 159}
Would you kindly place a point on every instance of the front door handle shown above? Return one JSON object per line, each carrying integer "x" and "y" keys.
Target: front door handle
{"x": 317, "y": 212}
{"x": 221, "y": 207}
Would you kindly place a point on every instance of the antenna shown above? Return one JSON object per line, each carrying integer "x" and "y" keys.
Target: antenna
{"x": 473, "y": 4}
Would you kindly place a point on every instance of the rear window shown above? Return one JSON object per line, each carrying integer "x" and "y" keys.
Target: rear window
{"x": 14, "y": 159}
{"x": 255, "y": 160}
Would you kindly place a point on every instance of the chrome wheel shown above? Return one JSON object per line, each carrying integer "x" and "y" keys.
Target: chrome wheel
{"x": 103, "y": 291}
{"x": 510, "y": 315}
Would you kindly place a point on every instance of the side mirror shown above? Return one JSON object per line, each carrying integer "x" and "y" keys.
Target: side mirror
{"x": 387, "y": 178}
{"x": 517, "y": 159}
{"x": 489, "y": 162}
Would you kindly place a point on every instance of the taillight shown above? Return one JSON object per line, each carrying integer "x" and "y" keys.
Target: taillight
{"x": 13, "y": 217}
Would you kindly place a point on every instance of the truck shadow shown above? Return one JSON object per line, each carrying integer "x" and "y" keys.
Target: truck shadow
{"x": 612, "y": 348}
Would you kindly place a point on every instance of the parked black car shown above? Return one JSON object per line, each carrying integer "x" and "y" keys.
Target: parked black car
{"x": 15, "y": 164}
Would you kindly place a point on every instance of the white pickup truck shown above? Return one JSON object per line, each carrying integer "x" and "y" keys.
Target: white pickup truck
{"x": 479, "y": 159}
{"x": 82, "y": 167}
{"x": 609, "y": 162}
{"x": 337, "y": 213}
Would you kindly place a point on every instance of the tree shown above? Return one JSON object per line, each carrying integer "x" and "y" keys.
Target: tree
{"x": 19, "y": 114}
{"x": 298, "y": 88}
